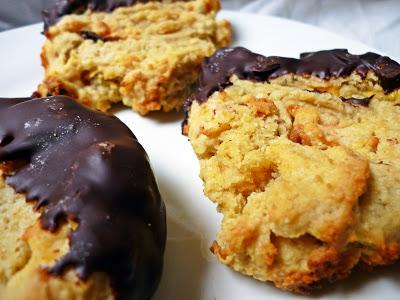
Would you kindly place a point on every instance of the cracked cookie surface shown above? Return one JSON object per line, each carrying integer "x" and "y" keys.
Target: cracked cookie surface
{"x": 307, "y": 178}
{"x": 146, "y": 55}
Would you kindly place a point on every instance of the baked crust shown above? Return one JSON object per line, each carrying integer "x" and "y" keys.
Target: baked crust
{"x": 306, "y": 172}
{"x": 147, "y": 55}
{"x": 26, "y": 250}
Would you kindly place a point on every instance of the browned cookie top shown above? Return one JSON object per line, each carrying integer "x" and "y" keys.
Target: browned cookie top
{"x": 87, "y": 166}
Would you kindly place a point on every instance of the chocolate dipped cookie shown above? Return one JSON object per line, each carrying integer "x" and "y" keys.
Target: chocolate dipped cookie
{"x": 82, "y": 217}
{"x": 302, "y": 157}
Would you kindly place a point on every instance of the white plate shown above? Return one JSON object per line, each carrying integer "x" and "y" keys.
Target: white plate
{"x": 191, "y": 272}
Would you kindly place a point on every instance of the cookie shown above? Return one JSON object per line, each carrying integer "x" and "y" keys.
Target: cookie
{"x": 302, "y": 157}
{"x": 82, "y": 217}
{"x": 145, "y": 54}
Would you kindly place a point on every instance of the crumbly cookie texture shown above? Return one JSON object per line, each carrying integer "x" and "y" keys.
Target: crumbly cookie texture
{"x": 306, "y": 172}
{"x": 146, "y": 55}
{"x": 26, "y": 249}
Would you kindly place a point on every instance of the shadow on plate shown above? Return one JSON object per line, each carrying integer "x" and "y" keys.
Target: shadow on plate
{"x": 359, "y": 279}
{"x": 166, "y": 117}
{"x": 183, "y": 268}
{"x": 158, "y": 116}
{"x": 184, "y": 263}
{"x": 116, "y": 108}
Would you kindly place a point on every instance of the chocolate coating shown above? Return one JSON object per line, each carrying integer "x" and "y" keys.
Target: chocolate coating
{"x": 358, "y": 102}
{"x": 90, "y": 35}
{"x": 225, "y": 62}
{"x": 65, "y": 7}
{"x": 87, "y": 166}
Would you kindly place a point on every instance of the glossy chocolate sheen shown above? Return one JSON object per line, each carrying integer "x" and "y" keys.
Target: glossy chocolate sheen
{"x": 78, "y": 164}
{"x": 217, "y": 69}
{"x": 358, "y": 102}
{"x": 65, "y": 7}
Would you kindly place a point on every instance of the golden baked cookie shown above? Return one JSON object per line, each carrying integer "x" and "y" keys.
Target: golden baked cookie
{"x": 145, "y": 54}
{"x": 81, "y": 214}
{"x": 302, "y": 157}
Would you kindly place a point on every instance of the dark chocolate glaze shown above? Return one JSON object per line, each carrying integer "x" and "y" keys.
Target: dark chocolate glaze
{"x": 65, "y": 7}
{"x": 90, "y": 35}
{"x": 225, "y": 62}
{"x": 78, "y": 164}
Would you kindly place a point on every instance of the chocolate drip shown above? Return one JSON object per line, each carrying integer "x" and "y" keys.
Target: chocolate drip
{"x": 90, "y": 35}
{"x": 358, "y": 102}
{"x": 86, "y": 166}
{"x": 217, "y": 69}
{"x": 65, "y": 7}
